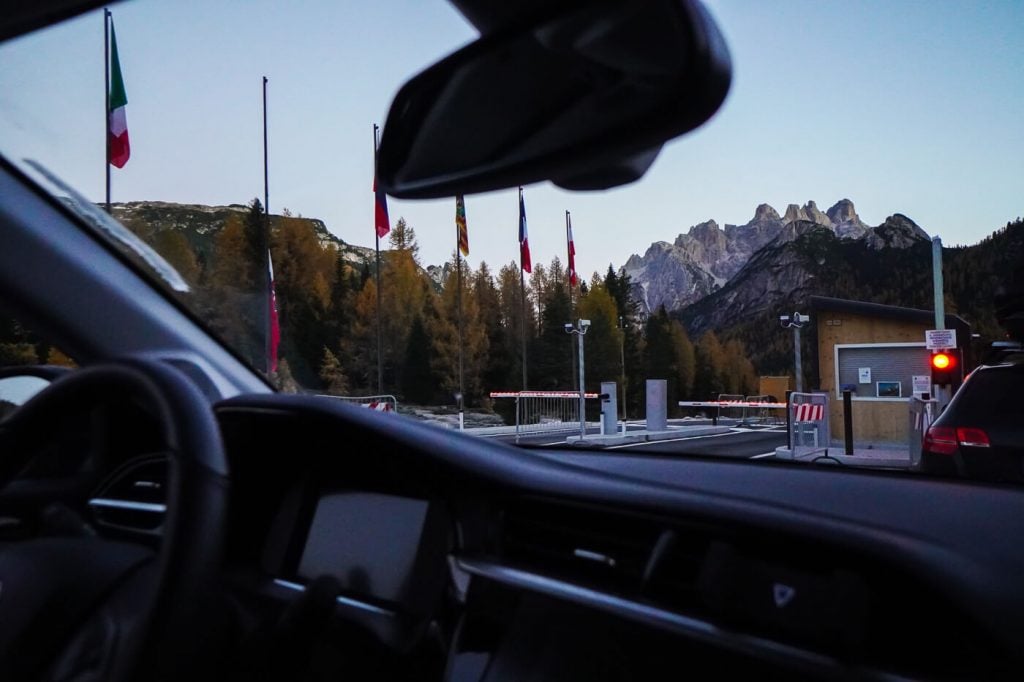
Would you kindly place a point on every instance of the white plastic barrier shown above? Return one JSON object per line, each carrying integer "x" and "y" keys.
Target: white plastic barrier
{"x": 921, "y": 414}
{"x": 808, "y": 424}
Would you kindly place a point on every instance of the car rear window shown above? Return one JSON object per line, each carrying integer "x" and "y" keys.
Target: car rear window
{"x": 993, "y": 396}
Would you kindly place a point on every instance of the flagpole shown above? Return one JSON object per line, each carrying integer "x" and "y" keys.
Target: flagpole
{"x": 380, "y": 340}
{"x": 266, "y": 235}
{"x": 572, "y": 315}
{"x": 458, "y": 293}
{"x": 106, "y": 100}
{"x": 522, "y": 298}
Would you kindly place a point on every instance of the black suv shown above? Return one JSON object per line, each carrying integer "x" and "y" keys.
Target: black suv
{"x": 981, "y": 433}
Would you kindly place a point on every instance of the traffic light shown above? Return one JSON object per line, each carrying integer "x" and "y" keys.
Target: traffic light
{"x": 947, "y": 369}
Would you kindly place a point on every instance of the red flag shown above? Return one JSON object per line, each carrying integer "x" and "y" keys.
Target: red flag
{"x": 460, "y": 225}
{"x": 275, "y": 327}
{"x": 524, "y": 241}
{"x": 380, "y": 209}
{"x": 572, "y": 250}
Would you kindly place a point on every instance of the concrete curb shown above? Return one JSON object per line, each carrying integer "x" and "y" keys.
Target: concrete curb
{"x": 783, "y": 452}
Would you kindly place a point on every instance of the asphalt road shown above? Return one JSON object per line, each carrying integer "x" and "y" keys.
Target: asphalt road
{"x": 741, "y": 442}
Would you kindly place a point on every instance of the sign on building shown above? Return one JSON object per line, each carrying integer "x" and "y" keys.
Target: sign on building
{"x": 939, "y": 339}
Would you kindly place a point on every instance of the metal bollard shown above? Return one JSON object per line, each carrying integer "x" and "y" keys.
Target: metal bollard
{"x": 848, "y": 421}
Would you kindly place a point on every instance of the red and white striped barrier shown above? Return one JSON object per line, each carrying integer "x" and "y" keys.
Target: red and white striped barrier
{"x": 379, "y": 406}
{"x": 808, "y": 412}
{"x": 729, "y": 403}
{"x": 541, "y": 394}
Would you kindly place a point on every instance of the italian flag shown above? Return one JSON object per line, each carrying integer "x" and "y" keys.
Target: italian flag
{"x": 117, "y": 124}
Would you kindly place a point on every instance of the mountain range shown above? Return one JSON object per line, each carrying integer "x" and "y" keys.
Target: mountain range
{"x": 707, "y": 257}
{"x": 735, "y": 280}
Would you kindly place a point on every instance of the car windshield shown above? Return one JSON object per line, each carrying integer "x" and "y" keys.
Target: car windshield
{"x": 766, "y": 290}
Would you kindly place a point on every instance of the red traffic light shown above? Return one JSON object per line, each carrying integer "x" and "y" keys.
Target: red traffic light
{"x": 946, "y": 369}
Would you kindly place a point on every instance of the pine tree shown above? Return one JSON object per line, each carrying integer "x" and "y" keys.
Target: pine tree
{"x": 332, "y": 374}
{"x": 513, "y": 321}
{"x": 404, "y": 291}
{"x": 602, "y": 341}
{"x": 551, "y": 360}
{"x": 620, "y": 286}
{"x": 417, "y": 378}
{"x": 497, "y": 368}
{"x": 708, "y": 380}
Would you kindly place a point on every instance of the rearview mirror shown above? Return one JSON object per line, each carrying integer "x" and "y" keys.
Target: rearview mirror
{"x": 584, "y": 97}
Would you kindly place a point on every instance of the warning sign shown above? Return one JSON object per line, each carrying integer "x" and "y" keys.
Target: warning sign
{"x": 938, "y": 339}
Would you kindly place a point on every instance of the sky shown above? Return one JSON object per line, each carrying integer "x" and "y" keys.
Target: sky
{"x": 903, "y": 106}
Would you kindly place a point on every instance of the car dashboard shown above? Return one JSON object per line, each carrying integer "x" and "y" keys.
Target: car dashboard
{"x": 455, "y": 558}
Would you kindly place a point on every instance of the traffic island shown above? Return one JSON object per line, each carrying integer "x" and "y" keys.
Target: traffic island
{"x": 642, "y": 436}
{"x": 882, "y": 457}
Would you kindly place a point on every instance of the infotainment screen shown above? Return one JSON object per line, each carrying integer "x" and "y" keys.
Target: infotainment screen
{"x": 368, "y": 541}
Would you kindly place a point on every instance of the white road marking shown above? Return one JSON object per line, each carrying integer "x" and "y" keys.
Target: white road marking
{"x": 766, "y": 454}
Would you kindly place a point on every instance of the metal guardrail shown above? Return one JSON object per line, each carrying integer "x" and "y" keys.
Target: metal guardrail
{"x": 760, "y": 409}
{"x": 921, "y": 414}
{"x": 730, "y": 411}
{"x": 751, "y": 409}
{"x": 540, "y": 411}
{"x": 380, "y": 403}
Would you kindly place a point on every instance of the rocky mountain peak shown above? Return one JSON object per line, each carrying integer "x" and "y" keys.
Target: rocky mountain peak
{"x": 808, "y": 212}
{"x": 898, "y": 231}
{"x": 845, "y": 220}
{"x": 706, "y": 231}
{"x": 765, "y": 212}
{"x": 794, "y": 213}
{"x": 842, "y": 211}
{"x": 815, "y": 215}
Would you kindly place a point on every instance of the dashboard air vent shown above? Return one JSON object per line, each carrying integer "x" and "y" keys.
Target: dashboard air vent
{"x": 584, "y": 545}
{"x": 133, "y": 498}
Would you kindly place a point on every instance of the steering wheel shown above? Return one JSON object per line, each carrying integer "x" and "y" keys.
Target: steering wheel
{"x": 85, "y": 607}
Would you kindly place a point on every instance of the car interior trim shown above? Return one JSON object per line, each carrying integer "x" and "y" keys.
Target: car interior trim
{"x": 128, "y": 504}
{"x": 691, "y": 627}
{"x": 345, "y": 601}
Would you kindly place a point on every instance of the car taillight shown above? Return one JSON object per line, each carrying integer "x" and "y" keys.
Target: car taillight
{"x": 941, "y": 440}
{"x": 975, "y": 438}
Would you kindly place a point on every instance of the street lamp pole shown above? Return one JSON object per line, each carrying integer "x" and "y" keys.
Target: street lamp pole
{"x": 581, "y": 331}
{"x": 622, "y": 359}
{"x": 796, "y": 321}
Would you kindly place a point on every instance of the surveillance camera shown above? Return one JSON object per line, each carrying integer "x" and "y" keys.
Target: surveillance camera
{"x": 568, "y": 327}
{"x": 802, "y": 318}
{"x": 584, "y": 323}
{"x": 783, "y": 318}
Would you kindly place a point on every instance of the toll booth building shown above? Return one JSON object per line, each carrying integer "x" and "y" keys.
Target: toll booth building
{"x": 878, "y": 352}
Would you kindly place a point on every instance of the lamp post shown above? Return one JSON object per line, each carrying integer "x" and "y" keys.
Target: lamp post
{"x": 580, "y": 330}
{"x": 622, "y": 359}
{"x": 796, "y": 320}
